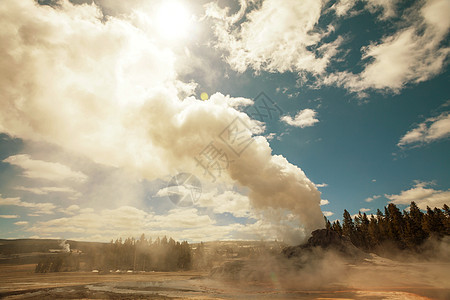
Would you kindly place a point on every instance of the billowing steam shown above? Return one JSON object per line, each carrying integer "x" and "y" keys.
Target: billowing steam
{"x": 65, "y": 247}
{"x": 109, "y": 91}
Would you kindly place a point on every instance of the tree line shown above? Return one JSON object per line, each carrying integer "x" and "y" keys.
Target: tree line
{"x": 146, "y": 255}
{"x": 406, "y": 230}
{"x": 63, "y": 262}
{"x": 129, "y": 254}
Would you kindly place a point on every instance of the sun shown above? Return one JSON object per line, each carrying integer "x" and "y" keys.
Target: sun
{"x": 173, "y": 20}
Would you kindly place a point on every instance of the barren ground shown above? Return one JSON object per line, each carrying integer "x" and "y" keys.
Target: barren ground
{"x": 375, "y": 279}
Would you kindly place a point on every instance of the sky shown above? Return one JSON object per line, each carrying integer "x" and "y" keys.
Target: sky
{"x": 218, "y": 120}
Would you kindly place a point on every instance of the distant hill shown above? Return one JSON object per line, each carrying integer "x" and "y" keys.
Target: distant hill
{"x": 30, "y": 251}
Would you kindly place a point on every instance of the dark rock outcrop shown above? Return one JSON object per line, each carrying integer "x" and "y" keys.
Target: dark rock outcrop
{"x": 327, "y": 240}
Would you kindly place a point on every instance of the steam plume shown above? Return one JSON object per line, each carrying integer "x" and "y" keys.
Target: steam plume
{"x": 109, "y": 91}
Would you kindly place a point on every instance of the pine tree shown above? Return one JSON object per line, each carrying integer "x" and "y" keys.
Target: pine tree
{"x": 439, "y": 219}
{"x": 348, "y": 227}
{"x": 364, "y": 231}
{"x": 327, "y": 223}
{"x": 396, "y": 226}
{"x": 446, "y": 219}
{"x": 417, "y": 234}
{"x": 374, "y": 232}
{"x": 427, "y": 221}
{"x": 336, "y": 226}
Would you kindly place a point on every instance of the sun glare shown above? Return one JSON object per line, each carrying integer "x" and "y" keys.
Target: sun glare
{"x": 173, "y": 20}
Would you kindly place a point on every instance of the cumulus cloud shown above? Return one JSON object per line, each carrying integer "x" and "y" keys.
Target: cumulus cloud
{"x": 38, "y": 208}
{"x": 342, "y": 7}
{"x": 71, "y": 210}
{"x": 180, "y": 194}
{"x": 114, "y": 98}
{"x": 276, "y": 36}
{"x": 328, "y": 213}
{"x": 423, "y": 195}
{"x": 181, "y": 218}
{"x": 112, "y": 220}
{"x": 370, "y": 199}
{"x": 125, "y": 111}
{"x": 386, "y": 8}
{"x": 39, "y": 169}
{"x": 364, "y": 210}
{"x": 45, "y": 190}
{"x": 322, "y": 184}
{"x": 227, "y": 202}
{"x": 270, "y": 136}
{"x": 411, "y": 55}
{"x": 130, "y": 221}
{"x": 284, "y": 36}
{"x": 324, "y": 202}
{"x": 9, "y": 216}
{"x": 432, "y": 129}
{"x": 21, "y": 223}
{"x": 304, "y": 118}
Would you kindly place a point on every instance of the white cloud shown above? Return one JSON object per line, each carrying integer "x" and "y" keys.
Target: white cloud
{"x": 304, "y": 118}
{"x": 429, "y": 131}
{"x": 276, "y": 36}
{"x": 411, "y": 55}
{"x": 87, "y": 210}
{"x": 181, "y": 218}
{"x": 219, "y": 202}
{"x": 363, "y": 210}
{"x": 127, "y": 221}
{"x": 270, "y": 136}
{"x": 44, "y": 170}
{"x": 422, "y": 196}
{"x": 179, "y": 193}
{"x": 71, "y": 210}
{"x": 179, "y": 223}
{"x": 21, "y": 223}
{"x": 227, "y": 202}
{"x": 322, "y": 185}
{"x": 370, "y": 199}
{"x": 45, "y": 190}
{"x": 324, "y": 202}
{"x": 328, "y": 213}
{"x": 388, "y": 7}
{"x": 124, "y": 218}
{"x": 342, "y": 7}
{"x": 114, "y": 99}
{"x": 9, "y": 216}
{"x": 39, "y": 208}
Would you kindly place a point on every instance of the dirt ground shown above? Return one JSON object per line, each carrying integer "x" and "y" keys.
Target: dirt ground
{"x": 20, "y": 282}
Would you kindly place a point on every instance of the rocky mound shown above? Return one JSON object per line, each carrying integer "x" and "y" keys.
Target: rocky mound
{"x": 327, "y": 240}
{"x": 313, "y": 254}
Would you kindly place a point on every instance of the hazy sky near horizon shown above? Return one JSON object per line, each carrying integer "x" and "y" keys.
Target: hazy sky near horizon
{"x": 283, "y": 110}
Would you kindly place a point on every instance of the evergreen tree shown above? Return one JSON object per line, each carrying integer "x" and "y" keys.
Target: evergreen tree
{"x": 374, "y": 232}
{"x": 337, "y": 227}
{"x": 416, "y": 234}
{"x": 327, "y": 223}
{"x": 446, "y": 220}
{"x": 396, "y": 226}
{"x": 427, "y": 221}
{"x": 348, "y": 227}
{"x": 364, "y": 231}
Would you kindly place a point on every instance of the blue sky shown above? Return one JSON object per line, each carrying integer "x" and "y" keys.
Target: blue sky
{"x": 101, "y": 107}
